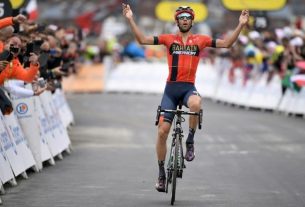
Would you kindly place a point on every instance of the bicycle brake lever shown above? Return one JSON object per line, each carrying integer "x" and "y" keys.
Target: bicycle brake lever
{"x": 158, "y": 115}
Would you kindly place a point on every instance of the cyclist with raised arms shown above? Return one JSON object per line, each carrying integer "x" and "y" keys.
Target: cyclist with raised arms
{"x": 183, "y": 50}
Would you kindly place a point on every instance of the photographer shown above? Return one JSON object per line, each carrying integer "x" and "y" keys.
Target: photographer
{"x": 14, "y": 69}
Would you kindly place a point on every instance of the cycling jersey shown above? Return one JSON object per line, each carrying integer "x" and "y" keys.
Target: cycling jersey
{"x": 183, "y": 59}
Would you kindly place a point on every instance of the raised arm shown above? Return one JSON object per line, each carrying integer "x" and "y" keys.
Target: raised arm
{"x": 228, "y": 41}
{"x": 141, "y": 38}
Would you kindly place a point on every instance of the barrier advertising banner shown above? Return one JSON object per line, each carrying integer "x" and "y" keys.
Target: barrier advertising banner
{"x": 22, "y": 145}
{"x": 6, "y": 173}
{"x": 10, "y": 148}
{"x": 54, "y": 121}
{"x": 47, "y": 131}
{"x": 28, "y": 119}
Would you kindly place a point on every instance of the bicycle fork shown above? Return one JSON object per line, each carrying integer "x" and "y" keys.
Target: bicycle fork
{"x": 177, "y": 142}
{"x": 180, "y": 153}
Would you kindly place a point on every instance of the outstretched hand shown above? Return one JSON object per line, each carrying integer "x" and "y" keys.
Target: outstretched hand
{"x": 127, "y": 12}
{"x": 19, "y": 19}
{"x": 244, "y": 17}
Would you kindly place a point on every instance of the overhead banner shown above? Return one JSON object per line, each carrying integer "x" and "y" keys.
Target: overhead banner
{"x": 267, "y": 5}
{"x": 165, "y": 10}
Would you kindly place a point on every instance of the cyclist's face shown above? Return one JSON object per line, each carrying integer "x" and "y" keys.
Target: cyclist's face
{"x": 184, "y": 23}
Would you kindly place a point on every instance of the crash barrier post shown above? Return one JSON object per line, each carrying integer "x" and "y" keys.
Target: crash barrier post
{"x": 32, "y": 134}
{"x": 64, "y": 110}
{"x": 27, "y": 115}
{"x": 6, "y": 173}
{"x": 53, "y": 118}
{"x": 10, "y": 148}
{"x": 293, "y": 102}
{"x": 22, "y": 146}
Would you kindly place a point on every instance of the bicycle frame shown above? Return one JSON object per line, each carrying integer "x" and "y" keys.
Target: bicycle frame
{"x": 175, "y": 162}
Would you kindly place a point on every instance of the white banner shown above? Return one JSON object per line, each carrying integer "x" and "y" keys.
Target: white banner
{"x": 16, "y": 132}
{"x": 28, "y": 119}
{"x": 47, "y": 131}
{"x": 6, "y": 173}
{"x": 65, "y": 112}
{"x": 61, "y": 130}
{"x": 10, "y": 148}
{"x": 55, "y": 122}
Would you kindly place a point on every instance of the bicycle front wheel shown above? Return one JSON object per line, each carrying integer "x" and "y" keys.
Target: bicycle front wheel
{"x": 175, "y": 171}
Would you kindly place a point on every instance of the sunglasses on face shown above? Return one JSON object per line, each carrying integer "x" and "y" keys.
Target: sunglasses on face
{"x": 185, "y": 17}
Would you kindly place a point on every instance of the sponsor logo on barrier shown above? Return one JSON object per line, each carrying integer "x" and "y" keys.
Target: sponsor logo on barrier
{"x": 2, "y": 153}
{"x": 5, "y": 141}
{"x": 22, "y": 108}
{"x": 17, "y": 135}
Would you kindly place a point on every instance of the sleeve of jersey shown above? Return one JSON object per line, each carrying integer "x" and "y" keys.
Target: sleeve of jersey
{"x": 160, "y": 40}
{"x": 13, "y": 87}
{"x": 6, "y": 22}
{"x": 208, "y": 41}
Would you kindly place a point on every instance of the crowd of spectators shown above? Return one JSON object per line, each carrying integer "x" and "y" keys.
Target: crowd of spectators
{"x": 279, "y": 51}
{"x": 34, "y": 57}
{"x": 275, "y": 52}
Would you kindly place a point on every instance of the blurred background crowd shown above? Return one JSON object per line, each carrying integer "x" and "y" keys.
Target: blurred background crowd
{"x": 64, "y": 33}
{"x": 272, "y": 43}
{"x": 34, "y": 55}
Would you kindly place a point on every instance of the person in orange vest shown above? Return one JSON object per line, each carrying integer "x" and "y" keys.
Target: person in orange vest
{"x": 14, "y": 69}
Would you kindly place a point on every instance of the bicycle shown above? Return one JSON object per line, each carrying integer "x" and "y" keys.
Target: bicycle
{"x": 175, "y": 163}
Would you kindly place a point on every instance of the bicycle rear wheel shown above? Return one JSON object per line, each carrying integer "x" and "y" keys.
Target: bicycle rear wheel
{"x": 175, "y": 171}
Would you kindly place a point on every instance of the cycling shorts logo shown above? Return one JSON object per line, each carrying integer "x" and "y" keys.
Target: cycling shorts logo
{"x": 22, "y": 108}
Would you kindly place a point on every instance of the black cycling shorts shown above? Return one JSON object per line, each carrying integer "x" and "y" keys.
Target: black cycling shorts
{"x": 174, "y": 93}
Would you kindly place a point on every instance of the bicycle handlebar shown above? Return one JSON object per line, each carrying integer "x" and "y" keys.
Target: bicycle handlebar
{"x": 179, "y": 111}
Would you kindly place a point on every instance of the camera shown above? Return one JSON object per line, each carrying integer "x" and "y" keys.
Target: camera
{"x": 41, "y": 82}
{"x": 14, "y": 49}
{"x": 6, "y": 56}
{"x": 65, "y": 67}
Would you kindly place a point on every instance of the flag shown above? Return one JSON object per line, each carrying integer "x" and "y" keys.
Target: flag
{"x": 298, "y": 79}
{"x": 32, "y": 9}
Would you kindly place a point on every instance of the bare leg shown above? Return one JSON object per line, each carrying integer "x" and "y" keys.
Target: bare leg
{"x": 163, "y": 131}
{"x": 194, "y": 103}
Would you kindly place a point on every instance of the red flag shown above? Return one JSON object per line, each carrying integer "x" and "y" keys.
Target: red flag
{"x": 85, "y": 20}
{"x": 32, "y": 10}
{"x": 298, "y": 79}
